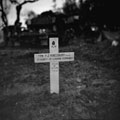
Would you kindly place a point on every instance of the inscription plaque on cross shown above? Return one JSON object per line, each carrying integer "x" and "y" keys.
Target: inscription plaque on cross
{"x": 54, "y": 57}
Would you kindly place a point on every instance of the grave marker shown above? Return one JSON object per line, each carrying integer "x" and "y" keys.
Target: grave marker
{"x": 54, "y": 57}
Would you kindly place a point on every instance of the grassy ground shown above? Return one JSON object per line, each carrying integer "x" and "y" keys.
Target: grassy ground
{"x": 89, "y": 86}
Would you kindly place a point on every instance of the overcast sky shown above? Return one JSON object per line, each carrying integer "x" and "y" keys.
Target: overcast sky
{"x": 37, "y": 7}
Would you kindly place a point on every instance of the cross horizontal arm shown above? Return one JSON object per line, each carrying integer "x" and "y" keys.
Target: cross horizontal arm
{"x": 48, "y": 57}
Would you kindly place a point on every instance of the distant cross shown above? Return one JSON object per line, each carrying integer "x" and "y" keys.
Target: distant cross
{"x": 54, "y": 57}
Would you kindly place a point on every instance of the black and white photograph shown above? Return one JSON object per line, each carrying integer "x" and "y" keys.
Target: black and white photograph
{"x": 59, "y": 60}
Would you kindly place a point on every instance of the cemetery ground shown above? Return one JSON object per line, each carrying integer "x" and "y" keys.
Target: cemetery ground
{"x": 89, "y": 85}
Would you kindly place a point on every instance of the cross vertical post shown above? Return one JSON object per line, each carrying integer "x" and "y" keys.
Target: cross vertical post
{"x": 54, "y": 67}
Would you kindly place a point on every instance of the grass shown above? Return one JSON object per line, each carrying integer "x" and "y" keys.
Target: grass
{"x": 89, "y": 86}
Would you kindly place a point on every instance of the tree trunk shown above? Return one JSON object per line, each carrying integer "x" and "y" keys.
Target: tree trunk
{"x": 18, "y": 9}
{"x": 3, "y": 16}
{"x": 5, "y": 21}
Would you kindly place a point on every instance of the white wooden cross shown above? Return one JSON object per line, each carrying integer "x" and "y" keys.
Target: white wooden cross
{"x": 54, "y": 57}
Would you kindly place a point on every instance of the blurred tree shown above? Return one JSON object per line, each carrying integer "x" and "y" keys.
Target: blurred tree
{"x": 4, "y": 10}
{"x": 5, "y": 7}
{"x": 19, "y": 4}
{"x": 70, "y": 7}
{"x": 100, "y": 12}
{"x": 30, "y": 16}
{"x": 55, "y": 5}
{"x": 84, "y": 12}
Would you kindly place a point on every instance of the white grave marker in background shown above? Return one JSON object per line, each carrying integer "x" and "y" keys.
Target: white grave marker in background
{"x": 54, "y": 57}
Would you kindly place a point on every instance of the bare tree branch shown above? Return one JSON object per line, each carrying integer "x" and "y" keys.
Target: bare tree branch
{"x": 24, "y": 2}
{"x": 19, "y": 7}
{"x": 28, "y": 1}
